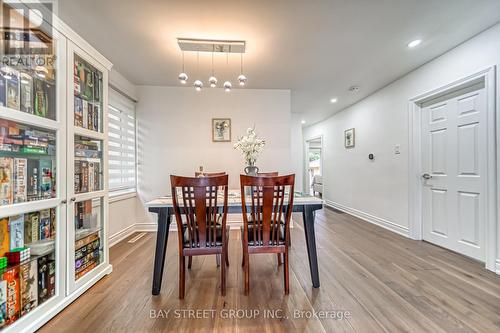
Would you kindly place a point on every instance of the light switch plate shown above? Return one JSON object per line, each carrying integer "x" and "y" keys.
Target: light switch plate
{"x": 397, "y": 149}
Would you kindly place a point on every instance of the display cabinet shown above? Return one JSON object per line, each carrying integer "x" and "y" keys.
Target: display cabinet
{"x": 53, "y": 165}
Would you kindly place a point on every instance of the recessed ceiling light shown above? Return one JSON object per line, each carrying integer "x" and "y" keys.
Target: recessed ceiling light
{"x": 333, "y": 100}
{"x": 414, "y": 43}
{"x": 303, "y": 121}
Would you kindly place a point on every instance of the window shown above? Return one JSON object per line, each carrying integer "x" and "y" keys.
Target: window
{"x": 122, "y": 147}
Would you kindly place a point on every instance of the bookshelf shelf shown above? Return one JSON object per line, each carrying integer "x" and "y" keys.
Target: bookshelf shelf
{"x": 88, "y": 133}
{"x": 89, "y": 195}
{"x": 29, "y": 261}
{"x": 37, "y": 125}
{"x": 21, "y": 208}
{"x": 29, "y": 119}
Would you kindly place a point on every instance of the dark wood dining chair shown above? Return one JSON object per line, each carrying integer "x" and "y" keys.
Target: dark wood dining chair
{"x": 208, "y": 174}
{"x": 266, "y": 219}
{"x": 204, "y": 231}
{"x": 268, "y": 174}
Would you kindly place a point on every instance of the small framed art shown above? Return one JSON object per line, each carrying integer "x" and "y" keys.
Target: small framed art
{"x": 349, "y": 138}
{"x": 221, "y": 130}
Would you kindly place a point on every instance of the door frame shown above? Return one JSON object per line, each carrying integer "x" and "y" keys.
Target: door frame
{"x": 307, "y": 184}
{"x": 493, "y": 160}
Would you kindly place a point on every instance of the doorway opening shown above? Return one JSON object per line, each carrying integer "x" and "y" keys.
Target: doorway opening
{"x": 314, "y": 167}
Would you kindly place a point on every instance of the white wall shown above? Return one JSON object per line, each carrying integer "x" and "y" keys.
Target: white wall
{"x": 378, "y": 190}
{"x": 174, "y": 133}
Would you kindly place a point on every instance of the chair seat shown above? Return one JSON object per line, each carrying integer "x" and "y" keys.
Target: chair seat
{"x": 258, "y": 234}
{"x": 209, "y": 231}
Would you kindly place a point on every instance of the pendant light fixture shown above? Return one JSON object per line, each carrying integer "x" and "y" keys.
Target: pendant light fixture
{"x": 198, "y": 85}
{"x": 227, "y": 84}
{"x": 242, "y": 79}
{"x": 212, "y": 80}
{"x": 215, "y": 47}
{"x": 183, "y": 76}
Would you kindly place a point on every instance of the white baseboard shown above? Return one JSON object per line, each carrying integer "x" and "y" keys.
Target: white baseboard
{"x": 121, "y": 235}
{"x": 404, "y": 231}
{"x": 497, "y": 269}
{"x": 146, "y": 226}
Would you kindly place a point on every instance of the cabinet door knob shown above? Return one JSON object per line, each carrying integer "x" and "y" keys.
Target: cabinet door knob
{"x": 64, "y": 201}
{"x": 73, "y": 199}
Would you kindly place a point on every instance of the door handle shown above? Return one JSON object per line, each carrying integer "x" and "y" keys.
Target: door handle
{"x": 426, "y": 176}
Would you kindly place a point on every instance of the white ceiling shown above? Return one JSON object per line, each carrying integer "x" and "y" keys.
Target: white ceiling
{"x": 317, "y": 49}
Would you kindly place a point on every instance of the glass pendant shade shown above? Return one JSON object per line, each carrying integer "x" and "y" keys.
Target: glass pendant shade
{"x": 183, "y": 78}
{"x": 242, "y": 79}
{"x": 227, "y": 86}
{"x": 212, "y": 81}
{"x": 198, "y": 85}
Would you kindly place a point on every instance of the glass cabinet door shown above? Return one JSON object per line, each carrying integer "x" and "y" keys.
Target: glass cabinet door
{"x": 32, "y": 166}
{"x": 87, "y": 151}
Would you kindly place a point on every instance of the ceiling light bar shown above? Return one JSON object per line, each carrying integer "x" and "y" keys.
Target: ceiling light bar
{"x": 211, "y": 45}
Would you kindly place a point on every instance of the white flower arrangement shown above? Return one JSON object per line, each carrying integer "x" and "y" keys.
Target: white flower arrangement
{"x": 250, "y": 146}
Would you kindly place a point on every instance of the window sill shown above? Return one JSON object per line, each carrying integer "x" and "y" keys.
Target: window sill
{"x": 121, "y": 195}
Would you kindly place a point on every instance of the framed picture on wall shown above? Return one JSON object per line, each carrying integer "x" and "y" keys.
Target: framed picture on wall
{"x": 221, "y": 130}
{"x": 349, "y": 138}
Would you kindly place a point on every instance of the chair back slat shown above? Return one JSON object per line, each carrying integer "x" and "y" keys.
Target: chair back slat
{"x": 199, "y": 200}
{"x": 270, "y": 203}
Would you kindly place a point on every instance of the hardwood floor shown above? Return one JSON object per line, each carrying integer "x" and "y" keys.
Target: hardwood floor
{"x": 385, "y": 282}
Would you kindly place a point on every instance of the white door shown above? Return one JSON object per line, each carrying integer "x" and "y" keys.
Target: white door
{"x": 454, "y": 164}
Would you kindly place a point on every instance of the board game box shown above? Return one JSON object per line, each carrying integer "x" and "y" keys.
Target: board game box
{"x": 33, "y": 180}
{"x": 13, "y": 308}
{"x": 4, "y": 236}
{"x": 26, "y": 92}
{"x": 20, "y": 177}
{"x": 29, "y": 286}
{"x": 44, "y": 224}
{"x": 46, "y": 178}
{"x": 31, "y": 227}
{"x": 6, "y": 171}
{"x": 12, "y": 84}
{"x": 43, "y": 278}
{"x": 16, "y": 231}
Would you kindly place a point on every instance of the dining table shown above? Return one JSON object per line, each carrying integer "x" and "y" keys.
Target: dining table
{"x": 163, "y": 207}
